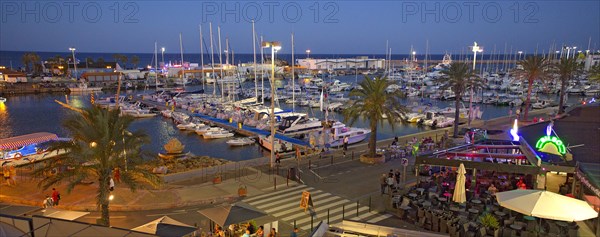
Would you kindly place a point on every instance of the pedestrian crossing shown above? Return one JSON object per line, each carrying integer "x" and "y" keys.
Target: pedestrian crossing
{"x": 285, "y": 206}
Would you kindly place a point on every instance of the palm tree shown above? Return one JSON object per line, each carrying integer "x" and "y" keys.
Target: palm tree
{"x": 36, "y": 61}
{"x": 375, "y": 105}
{"x": 459, "y": 77}
{"x": 565, "y": 69}
{"x": 100, "y": 62}
{"x": 534, "y": 68}
{"x": 26, "y": 60}
{"x": 88, "y": 61}
{"x": 101, "y": 142}
{"x": 135, "y": 60}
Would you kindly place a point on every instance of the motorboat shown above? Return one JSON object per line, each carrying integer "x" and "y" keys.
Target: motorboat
{"x": 190, "y": 126}
{"x": 222, "y": 133}
{"x": 280, "y": 146}
{"x": 298, "y": 123}
{"x": 167, "y": 113}
{"x": 180, "y": 117}
{"x": 414, "y": 117}
{"x": 540, "y": 104}
{"x": 139, "y": 113}
{"x": 241, "y": 141}
{"x": 205, "y": 129}
{"x": 340, "y": 131}
{"x": 83, "y": 87}
{"x": 442, "y": 122}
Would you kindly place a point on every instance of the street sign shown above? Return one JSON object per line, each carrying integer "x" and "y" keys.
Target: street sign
{"x": 404, "y": 162}
{"x": 306, "y": 200}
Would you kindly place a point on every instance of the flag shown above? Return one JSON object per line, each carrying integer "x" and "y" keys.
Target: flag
{"x": 321, "y": 101}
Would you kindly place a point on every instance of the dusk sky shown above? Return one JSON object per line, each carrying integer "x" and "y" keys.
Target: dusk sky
{"x": 335, "y": 27}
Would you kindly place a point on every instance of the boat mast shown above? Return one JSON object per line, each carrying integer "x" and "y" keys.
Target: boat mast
{"x": 220, "y": 62}
{"x": 202, "y": 59}
{"x": 262, "y": 75}
{"x": 293, "y": 78}
{"x": 227, "y": 63}
{"x": 212, "y": 59}
{"x": 155, "y": 65}
{"x": 182, "y": 67}
{"x": 254, "y": 50}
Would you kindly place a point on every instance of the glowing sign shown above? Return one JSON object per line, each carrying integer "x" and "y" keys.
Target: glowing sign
{"x": 513, "y": 132}
{"x": 551, "y": 144}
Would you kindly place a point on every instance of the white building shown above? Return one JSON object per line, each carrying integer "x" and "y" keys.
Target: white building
{"x": 341, "y": 63}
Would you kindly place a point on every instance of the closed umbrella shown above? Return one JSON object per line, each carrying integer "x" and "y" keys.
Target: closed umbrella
{"x": 545, "y": 204}
{"x": 460, "y": 195}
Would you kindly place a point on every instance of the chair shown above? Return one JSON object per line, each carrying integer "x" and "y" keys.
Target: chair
{"x": 421, "y": 213}
{"x": 444, "y": 226}
{"x": 572, "y": 233}
{"x": 453, "y": 232}
{"x": 395, "y": 201}
{"x": 506, "y": 232}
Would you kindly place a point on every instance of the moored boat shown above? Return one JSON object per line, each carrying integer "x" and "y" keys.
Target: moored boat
{"x": 241, "y": 141}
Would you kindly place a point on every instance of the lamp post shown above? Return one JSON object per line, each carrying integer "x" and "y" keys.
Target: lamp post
{"x": 475, "y": 49}
{"x": 163, "y": 55}
{"x": 74, "y": 61}
{"x": 520, "y": 52}
{"x": 275, "y": 46}
{"x": 308, "y": 53}
{"x": 414, "y": 55}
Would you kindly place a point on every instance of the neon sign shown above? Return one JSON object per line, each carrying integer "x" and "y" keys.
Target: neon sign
{"x": 551, "y": 140}
{"x": 514, "y": 130}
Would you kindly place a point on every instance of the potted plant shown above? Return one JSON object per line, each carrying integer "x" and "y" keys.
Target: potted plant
{"x": 242, "y": 191}
{"x": 217, "y": 179}
{"x": 490, "y": 223}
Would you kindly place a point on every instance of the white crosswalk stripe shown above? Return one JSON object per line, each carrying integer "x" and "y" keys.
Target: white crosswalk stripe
{"x": 285, "y": 206}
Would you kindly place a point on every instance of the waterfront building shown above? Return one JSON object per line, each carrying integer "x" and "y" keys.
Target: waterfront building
{"x": 362, "y": 62}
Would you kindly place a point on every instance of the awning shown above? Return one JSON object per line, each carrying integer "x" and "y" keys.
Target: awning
{"x": 19, "y": 141}
{"x": 63, "y": 214}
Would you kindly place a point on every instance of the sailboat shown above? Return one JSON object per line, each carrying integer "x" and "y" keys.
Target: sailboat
{"x": 183, "y": 80}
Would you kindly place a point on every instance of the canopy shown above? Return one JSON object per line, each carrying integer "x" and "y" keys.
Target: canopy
{"x": 166, "y": 226}
{"x": 24, "y": 140}
{"x": 545, "y": 204}
{"x": 236, "y": 213}
{"x": 460, "y": 194}
{"x": 63, "y": 214}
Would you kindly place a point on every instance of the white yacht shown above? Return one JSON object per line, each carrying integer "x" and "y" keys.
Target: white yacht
{"x": 340, "y": 131}
{"x": 222, "y": 133}
{"x": 298, "y": 123}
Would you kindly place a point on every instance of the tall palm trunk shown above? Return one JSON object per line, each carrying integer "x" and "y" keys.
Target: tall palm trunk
{"x": 373, "y": 138}
{"x": 563, "y": 85}
{"x": 456, "y": 114}
{"x": 103, "y": 192}
{"x": 528, "y": 100}
{"x": 118, "y": 91}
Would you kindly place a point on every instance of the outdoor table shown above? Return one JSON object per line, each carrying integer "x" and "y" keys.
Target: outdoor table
{"x": 420, "y": 190}
{"x": 426, "y": 204}
{"x": 476, "y": 201}
{"x": 442, "y": 199}
{"x": 412, "y": 195}
{"x": 500, "y": 214}
{"x": 474, "y": 211}
{"x": 516, "y": 227}
{"x": 529, "y": 218}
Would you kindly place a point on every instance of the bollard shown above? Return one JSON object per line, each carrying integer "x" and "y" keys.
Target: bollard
{"x": 332, "y": 159}
{"x": 274, "y": 183}
{"x": 328, "y": 216}
{"x": 294, "y": 224}
{"x": 352, "y": 155}
{"x": 309, "y": 166}
{"x": 343, "y": 211}
{"x": 356, "y": 208}
{"x": 369, "y": 203}
{"x": 287, "y": 180}
{"x": 311, "y": 222}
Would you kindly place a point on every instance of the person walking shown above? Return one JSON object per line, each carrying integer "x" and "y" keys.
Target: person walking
{"x": 111, "y": 185}
{"x": 383, "y": 183}
{"x": 47, "y": 202}
{"x": 117, "y": 174}
{"x": 294, "y": 233}
{"x": 390, "y": 183}
{"x": 13, "y": 174}
{"x": 6, "y": 175}
{"x": 346, "y": 139}
{"x": 55, "y": 196}
{"x": 273, "y": 233}
{"x": 277, "y": 158}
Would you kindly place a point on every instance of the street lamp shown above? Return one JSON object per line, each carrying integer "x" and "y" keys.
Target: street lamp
{"x": 308, "y": 53}
{"x": 163, "y": 56}
{"x": 520, "y": 52}
{"x": 74, "y": 61}
{"x": 275, "y": 46}
{"x": 414, "y": 54}
{"x": 475, "y": 49}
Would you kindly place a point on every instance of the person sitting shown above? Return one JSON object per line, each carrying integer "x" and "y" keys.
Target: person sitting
{"x": 492, "y": 189}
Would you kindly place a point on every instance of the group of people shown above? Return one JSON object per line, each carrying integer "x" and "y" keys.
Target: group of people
{"x": 390, "y": 181}
{"x": 249, "y": 231}
{"x": 53, "y": 200}
{"x": 10, "y": 175}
